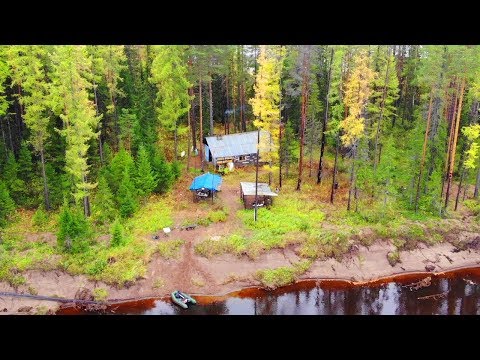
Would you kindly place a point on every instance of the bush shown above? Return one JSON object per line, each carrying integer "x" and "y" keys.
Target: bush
{"x": 7, "y": 206}
{"x": 170, "y": 249}
{"x": 117, "y": 232}
{"x": 74, "y": 230}
{"x": 100, "y": 294}
{"x": 473, "y": 206}
{"x": 393, "y": 257}
{"x": 40, "y": 218}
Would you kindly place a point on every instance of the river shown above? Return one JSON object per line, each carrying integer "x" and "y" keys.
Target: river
{"x": 455, "y": 292}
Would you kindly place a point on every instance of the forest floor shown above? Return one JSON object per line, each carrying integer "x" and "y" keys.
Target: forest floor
{"x": 301, "y": 236}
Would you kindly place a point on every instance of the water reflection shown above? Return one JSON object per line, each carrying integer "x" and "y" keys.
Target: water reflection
{"x": 457, "y": 293}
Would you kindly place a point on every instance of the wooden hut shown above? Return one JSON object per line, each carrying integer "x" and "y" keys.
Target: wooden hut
{"x": 240, "y": 148}
{"x": 264, "y": 194}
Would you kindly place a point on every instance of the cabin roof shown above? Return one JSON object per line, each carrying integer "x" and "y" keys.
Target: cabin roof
{"x": 234, "y": 144}
{"x": 248, "y": 188}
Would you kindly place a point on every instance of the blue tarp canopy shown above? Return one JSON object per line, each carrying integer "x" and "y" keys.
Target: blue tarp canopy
{"x": 207, "y": 181}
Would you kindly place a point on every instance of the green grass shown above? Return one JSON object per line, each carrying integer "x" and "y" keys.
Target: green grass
{"x": 155, "y": 215}
{"x": 273, "y": 278}
{"x": 323, "y": 244}
{"x": 169, "y": 249}
{"x": 393, "y": 257}
{"x": 100, "y": 294}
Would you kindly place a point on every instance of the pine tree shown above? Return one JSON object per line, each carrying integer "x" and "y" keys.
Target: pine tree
{"x": 29, "y": 69}
{"x": 126, "y": 199}
{"x": 265, "y": 104}
{"x": 169, "y": 73}
{"x": 73, "y": 230}
{"x": 120, "y": 162}
{"x": 15, "y": 185}
{"x": 117, "y": 232}
{"x": 7, "y": 206}
{"x": 146, "y": 180}
{"x": 357, "y": 92}
{"x": 71, "y": 101}
{"x": 104, "y": 209}
{"x": 163, "y": 172}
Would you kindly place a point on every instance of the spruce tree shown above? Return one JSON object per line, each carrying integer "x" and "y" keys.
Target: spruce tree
{"x": 126, "y": 199}
{"x": 104, "y": 209}
{"x": 146, "y": 180}
{"x": 117, "y": 232}
{"x": 7, "y": 206}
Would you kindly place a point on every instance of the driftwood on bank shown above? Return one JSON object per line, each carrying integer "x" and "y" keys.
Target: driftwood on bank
{"x": 433, "y": 297}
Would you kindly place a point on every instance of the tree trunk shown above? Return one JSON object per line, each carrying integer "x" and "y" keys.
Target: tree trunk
{"x": 192, "y": 122}
{"x": 450, "y": 137}
{"x": 227, "y": 119}
{"x": 201, "y": 121}
{"x": 45, "y": 184}
{"x": 211, "y": 105}
{"x": 100, "y": 146}
{"x": 477, "y": 184}
{"x": 424, "y": 150}
{"x": 454, "y": 146}
{"x": 334, "y": 175}
{"x": 3, "y": 135}
{"x": 175, "y": 142}
{"x": 303, "y": 121}
{"x": 86, "y": 201}
{"x": 376, "y": 158}
{"x": 281, "y": 154}
{"x": 189, "y": 127}
{"x": 116, "y": 124}
{"x": 459, "y": 187}
{"x": 325, "y": 120}
{"x": 352, "y": 176}
{"x": 465, "y": 188}
{"x": 255, "y": 208}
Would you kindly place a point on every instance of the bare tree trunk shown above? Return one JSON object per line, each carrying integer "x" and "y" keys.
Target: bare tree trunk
{"x": 189, "y": 127}
{"x": 303, "y": 120}
{"x": 376, "y": 158}
{"x": 3, "y": 135}
{"x": 424, "y": 150}
{"x": 255, "y": 208}
{"x": 211, "y": 105}
{"x": 477, "y": 184}
{"x": 450, "y": 137}
{"x": 227, "y": 125}
{"x": 459, "y": 187}
{"x": 100, "y": 145}
{"x": 201, "y": 122}
{"x": 86, "y": 201}
{"x": 325, "y": 120}
{"x": 334, "y": 175}
{"x": 45, "y": 185}
{"x": 281, "y": 154}
{"x": 465, "y": 188}
{"x": 454, "y": 146}
{"x": 115, "y": 119}
{"x": 192, "y": 122}
{"x": 175, "y": 142}
{"x": 352, "y": 176}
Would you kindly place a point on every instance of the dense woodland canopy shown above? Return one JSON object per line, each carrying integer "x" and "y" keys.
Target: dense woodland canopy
{"x": 94, "y": 130}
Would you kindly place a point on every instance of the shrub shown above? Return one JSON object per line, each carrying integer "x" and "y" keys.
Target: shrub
{"x": 100, "y": 294}
{"x": 40, "y": 218}
{"x": 117, "y": 232}
{"x": 73, "y": 230}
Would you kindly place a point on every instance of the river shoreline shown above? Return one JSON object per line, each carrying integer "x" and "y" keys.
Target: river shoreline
{"x": 366, "y": 265}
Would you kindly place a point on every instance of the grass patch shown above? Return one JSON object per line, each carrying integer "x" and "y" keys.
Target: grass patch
{"x": 322, "y": 245}
{"x": 158, "y": 283}
{"x": 155, "y": 215}
{"x": 273, "y": 278}
{"x": 393, "y": 257}
{"x": 169, "y": 249}
{"x": 100, "y": 294}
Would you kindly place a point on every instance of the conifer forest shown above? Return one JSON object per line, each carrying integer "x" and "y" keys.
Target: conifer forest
{"x": 99, "y": 145}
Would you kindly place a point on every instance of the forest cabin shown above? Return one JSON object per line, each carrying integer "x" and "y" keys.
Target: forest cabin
{"x": 240, "y": 148}
{"x": 264, "y": 194}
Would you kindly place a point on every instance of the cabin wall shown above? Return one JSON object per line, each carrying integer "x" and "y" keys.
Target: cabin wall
{"x": 249, "y": 200}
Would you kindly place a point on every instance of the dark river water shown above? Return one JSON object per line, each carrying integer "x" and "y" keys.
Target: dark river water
{"x": 456, "y": 292}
